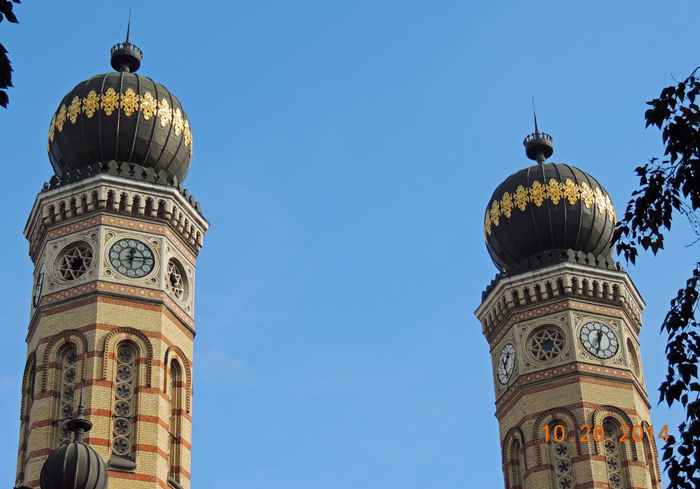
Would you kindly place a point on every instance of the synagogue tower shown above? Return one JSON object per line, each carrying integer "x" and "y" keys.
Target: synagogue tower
{"x": 114, "y": 238}
{"x": 562, "y": 321}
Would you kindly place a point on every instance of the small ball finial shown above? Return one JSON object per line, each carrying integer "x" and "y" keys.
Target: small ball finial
{"x": 126, "y": 57}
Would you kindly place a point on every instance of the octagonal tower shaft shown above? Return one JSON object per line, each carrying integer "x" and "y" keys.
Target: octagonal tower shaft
{"x": 564, "y": 343}
{"x": 112, "y": 316}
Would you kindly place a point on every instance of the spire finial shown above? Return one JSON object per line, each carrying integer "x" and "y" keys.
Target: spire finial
{"x": 538, "y": 145}
{"x": 128, "y": 28}
{"x": 126, "y": 57}
{"x": 79, "y": 425}
{"x": 534, "y": 112}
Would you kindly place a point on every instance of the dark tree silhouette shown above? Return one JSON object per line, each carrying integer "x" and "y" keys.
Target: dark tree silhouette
{"x": 669, "y": 186}
{"x": 5, "y": 67}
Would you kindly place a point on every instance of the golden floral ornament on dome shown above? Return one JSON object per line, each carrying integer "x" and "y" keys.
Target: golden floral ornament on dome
{"x": 600, "y": 200}
{"x": 521, "y": 197}
{"x": 554, "y": 191}
{"x": 587, "y": 195}
{"x": 571, "y": 191}
{"x": 149, "y": 106}
{"x": 91, "y": 104}
{"x": 178, "y": 123}
{"x": 110, "y": 101}
{"x": 61, "y": 118}
{"x": 165, "y": 113}
{"x": 495, "y": 212}
{"x": 537, "y": 193}
{"x": 52, "y": 128}
{"x": 74, "y": 109}
{"x": 506, "y": 204}
{"x": 130, "y": 102}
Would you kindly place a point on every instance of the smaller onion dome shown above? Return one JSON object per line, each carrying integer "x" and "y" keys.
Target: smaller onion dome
{"x": 545, "y": 207}
{"x": 120, "y": 116}
{"x": 75, "y": 465}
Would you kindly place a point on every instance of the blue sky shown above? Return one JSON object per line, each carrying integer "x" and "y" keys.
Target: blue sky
{"x": 344, "y": 153}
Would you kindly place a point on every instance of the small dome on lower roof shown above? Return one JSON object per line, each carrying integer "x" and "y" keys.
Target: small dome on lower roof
{"x": 548, "y": 206}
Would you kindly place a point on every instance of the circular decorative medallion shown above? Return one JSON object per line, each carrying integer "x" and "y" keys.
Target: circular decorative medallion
{"x": 599, "y": 339}
{"x": 132, "y": 258}
{"x": 506, "y": 363}
{"x": 547, "y": 344}
{"x": 74, "y": 261}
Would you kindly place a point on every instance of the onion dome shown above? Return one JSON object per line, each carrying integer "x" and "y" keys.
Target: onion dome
{"x": 75, "y": 465}
{"x": 546, "y": 207}
{"x": 124, "y": 117}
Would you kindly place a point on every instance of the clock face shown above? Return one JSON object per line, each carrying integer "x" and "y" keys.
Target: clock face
{"x": 506, "y": 363}
{"x": 132, "y": 258}
{"x": 599, "y": 339}
{"x": 39, "y": 284}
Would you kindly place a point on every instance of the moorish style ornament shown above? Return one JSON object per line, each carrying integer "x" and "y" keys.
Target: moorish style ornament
{"x": 124, "y": 117}
{"x": 546, "y": 207}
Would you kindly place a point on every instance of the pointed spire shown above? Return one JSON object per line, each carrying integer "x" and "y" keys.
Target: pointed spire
{"x": 534, "y": 112}
{"x": 128, "y": 29}
{"x": 79, "y": 425}
{"x": 126, "y": 57}
{"x": 538, "y": 145}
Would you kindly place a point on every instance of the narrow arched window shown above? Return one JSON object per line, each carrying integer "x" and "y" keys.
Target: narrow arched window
{"x": 175, "y": 422}
{"x": 124, "y": 401}
{"x": 561, "y": 458}
{"x": 650, "y": 459}
{"x": 516, "y": 466}
{"x": 67, "y": 374}
{"x": 28, "y": 399}
{"x": 613, "y": 455}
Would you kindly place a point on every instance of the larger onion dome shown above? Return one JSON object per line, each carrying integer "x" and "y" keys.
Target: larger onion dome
{"x": 121, "y": 116}
{"x": 546, "y": 207}
{"x": 75, "y": 465}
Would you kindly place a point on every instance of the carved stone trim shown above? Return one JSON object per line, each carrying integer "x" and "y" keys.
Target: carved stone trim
{"x": 175, "y": 351}
{"x": 132, "y": 334}
{"x": 68, "y": 336}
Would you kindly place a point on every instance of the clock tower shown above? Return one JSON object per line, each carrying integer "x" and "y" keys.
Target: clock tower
{"x": 562, "y": 321}
{"x": 114, "y": 238}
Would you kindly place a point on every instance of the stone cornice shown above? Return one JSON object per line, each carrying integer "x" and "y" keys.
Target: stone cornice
{"x": 104, "y": 193}
{"x": 608, "y": 287}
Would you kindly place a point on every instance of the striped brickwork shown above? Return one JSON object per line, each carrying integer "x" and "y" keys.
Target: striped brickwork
{"x": 576, "y": 390}
{"x": 96, "y": 314}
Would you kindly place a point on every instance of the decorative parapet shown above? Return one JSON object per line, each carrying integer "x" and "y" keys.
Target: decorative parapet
{"x": 557, "y": 274}
{"x": 119, "y": 189}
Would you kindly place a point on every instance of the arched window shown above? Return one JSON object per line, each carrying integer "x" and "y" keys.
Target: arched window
{"x": 67, "y": 374}
{"x": 125, "y": 383}
{"x": 175, "y": 422}
{"x": 516, "y": 466}
{"x": 613, "y": 455}
{"x": 561, "y": 456}
{"x": 27, "y": 401}
{"x": 650, "y": 459}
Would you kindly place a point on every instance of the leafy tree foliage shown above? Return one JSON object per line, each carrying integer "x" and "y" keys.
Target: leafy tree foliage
{"x": 5, "y": 67}
{"x": 669, "y": 186}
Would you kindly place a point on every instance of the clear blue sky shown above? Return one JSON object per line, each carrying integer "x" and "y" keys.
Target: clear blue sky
{"x": 344, "y": 153}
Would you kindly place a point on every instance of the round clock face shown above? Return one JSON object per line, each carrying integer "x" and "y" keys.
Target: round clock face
{"x": 39, "y": 284}
{"x": 506, "y": 363}
{"x": 132, "y": 258}
{"x": 599, "y": 339}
